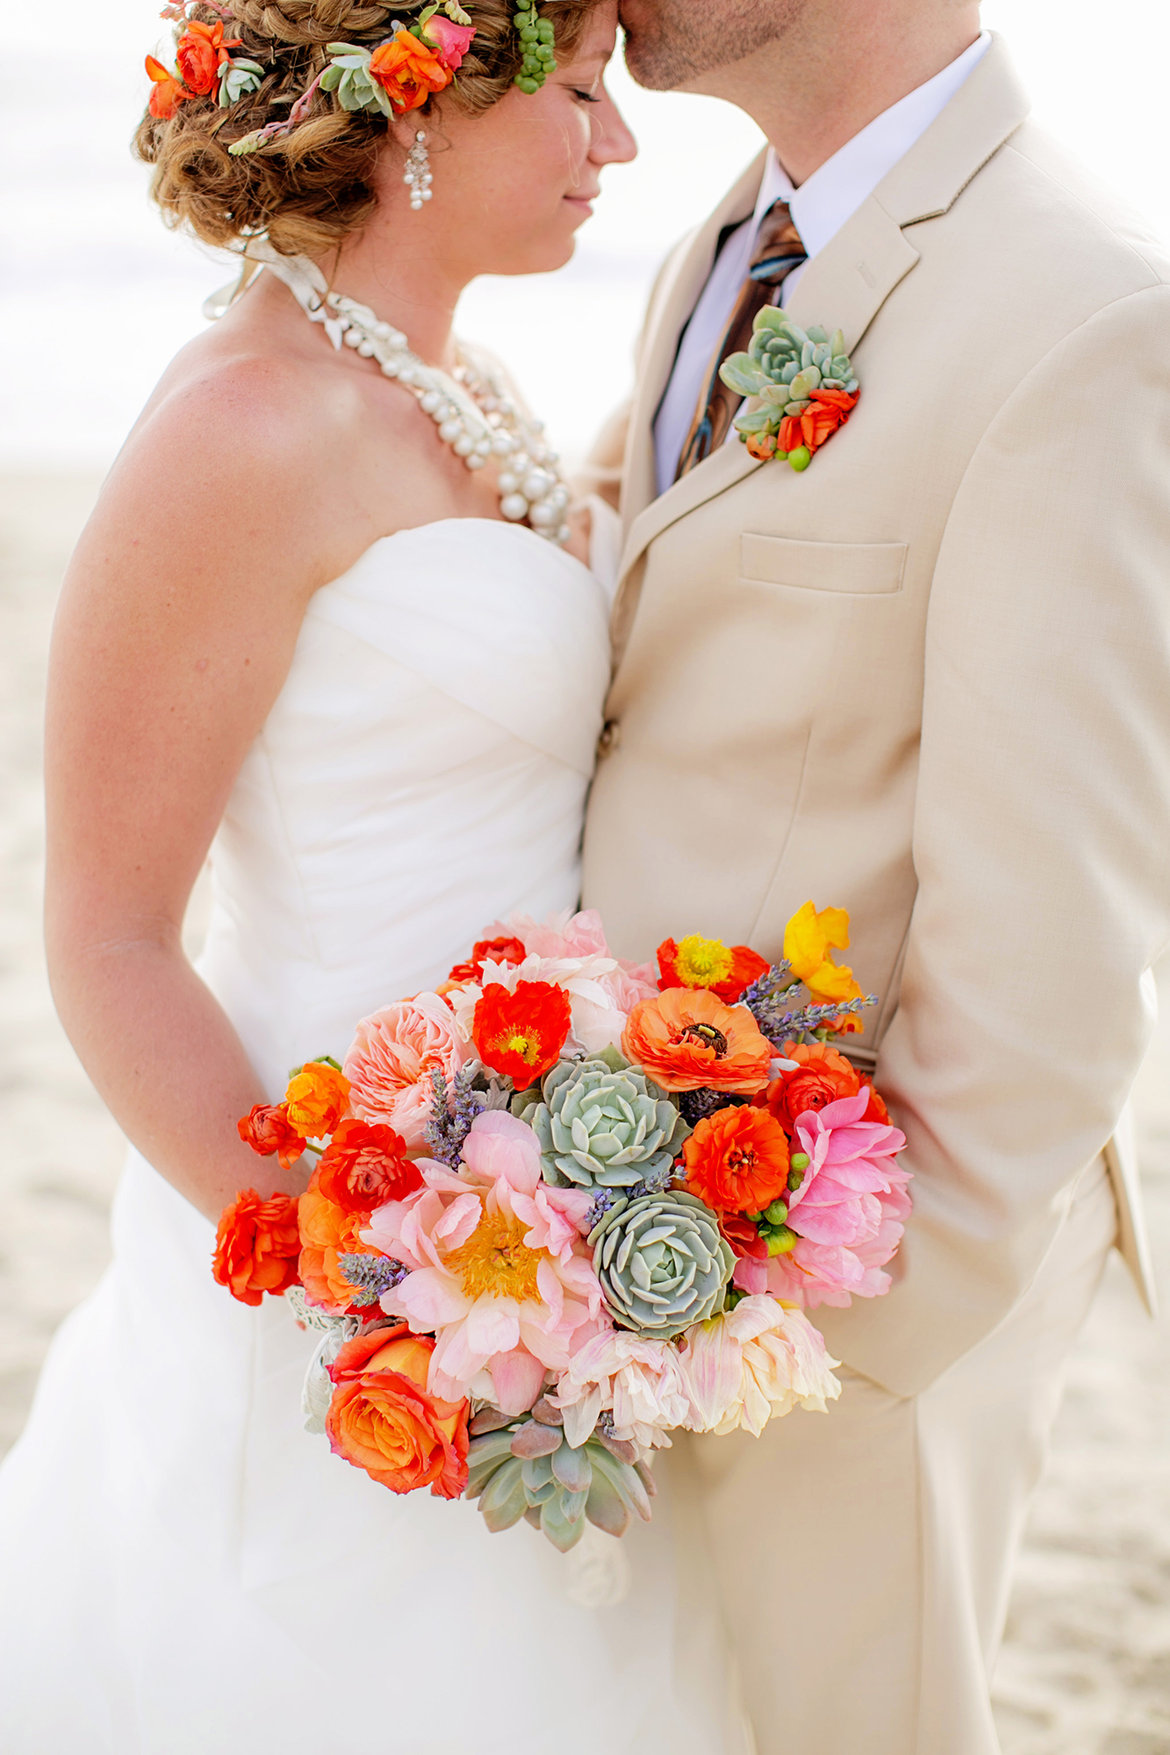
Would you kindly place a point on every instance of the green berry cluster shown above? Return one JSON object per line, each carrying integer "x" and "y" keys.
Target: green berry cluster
{"x": 771, "y": 1223}
{"x": 536, "y": 42}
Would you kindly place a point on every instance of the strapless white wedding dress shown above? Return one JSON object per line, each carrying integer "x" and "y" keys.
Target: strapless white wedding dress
{"x": 183, "y": 1569}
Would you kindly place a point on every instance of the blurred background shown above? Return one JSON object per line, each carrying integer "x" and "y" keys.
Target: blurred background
{"x": 94, "y": 297}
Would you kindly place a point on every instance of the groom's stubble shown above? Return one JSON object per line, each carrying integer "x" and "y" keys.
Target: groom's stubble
{"x": 670, "y": 43}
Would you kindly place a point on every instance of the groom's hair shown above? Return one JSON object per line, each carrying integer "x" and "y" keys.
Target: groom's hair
{"x": 310, "y": 190}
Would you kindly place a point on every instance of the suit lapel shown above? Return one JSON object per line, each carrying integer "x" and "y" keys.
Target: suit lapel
{"x": 844, "y": 286}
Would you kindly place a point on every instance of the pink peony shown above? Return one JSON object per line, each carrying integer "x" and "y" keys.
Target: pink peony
{"x": 754, "y": 1364}
{"x": 849, "y": 1212}
{"x": 391, "y": 1058}
{"x": 639, "y": 1381}
{"x": 500, "y": 1272}
{"x": 568, "y": 950}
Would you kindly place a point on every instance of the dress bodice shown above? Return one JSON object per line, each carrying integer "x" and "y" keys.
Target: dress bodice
{"x": 422, "y": 771}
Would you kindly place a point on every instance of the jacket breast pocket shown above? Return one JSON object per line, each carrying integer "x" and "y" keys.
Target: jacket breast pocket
{"x": 853, "y": 569}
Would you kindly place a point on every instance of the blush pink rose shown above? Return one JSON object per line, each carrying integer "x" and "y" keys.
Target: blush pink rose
{"x": 391, "y": 1059}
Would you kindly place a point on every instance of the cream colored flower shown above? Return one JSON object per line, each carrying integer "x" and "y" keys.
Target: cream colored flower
{"x": 753, "y": 1364}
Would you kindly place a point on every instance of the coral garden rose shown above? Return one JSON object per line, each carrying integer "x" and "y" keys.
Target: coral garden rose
{"x": 848, "y": 1213}
{"x": 392, "y": 1057}
{"x": 707, "y": 962}
{"x": 257, "y": 1245}
{"x": 737, "y": 1160}
{"x": 408, "y": 71}
{"x": 268, "y": 1131}
{"x": 521, "y": 1033}
{"x": 166, "y": 92}
{"x": 364, "y": 1166}
{"x": 316, "y": 1098}
{"x": 201, "y": 53}
{"x": 809, "y": 940}
{"x": 754, "y": 1364}
{"x": 500, "y": 1272}
{"x": 685, "y": 1039}
{"x": 383, "y": 1419}
{"x": 820, "y": 1076}
{"x": 327, "y": 1233}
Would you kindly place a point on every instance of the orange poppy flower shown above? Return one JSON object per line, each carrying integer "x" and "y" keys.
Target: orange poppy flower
{"x": 267, "y": 1129}
{"x": 686, "y": 1039}
{"x": 166, "y": 91}
{"x": 316, "y": 1098}
{"x": 408, "y": 71}
{"x": 708, "y": 962}
{"x": 499, "y": 950}
{"x": 521, "y": 1034}
{"x": 256, "y": 1246}
{"x": 737, "y": 1160}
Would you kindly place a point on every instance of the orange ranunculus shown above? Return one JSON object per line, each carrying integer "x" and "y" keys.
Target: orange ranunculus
{"x": 686, "y": 1039}
{"x": 822, "y": 1075}
{"x": 316, "y": 1098}
{"x": 790, "y": 437}
{"x": 327, "y": 1233}
{"x": 707, "y": 962}
{"x": 365, "y": 1166}
{"x": 267, "y": 1129}
{"x": 521, "y": 1034}
{"x": 761, "y": 446}
{"x": 743, "y": 1236}
{"x": 827, "y": 410}
{"x": 737, "y": 1160}
{"x": 201, "y": 53}
{"x": 166, "y": 92}
{"x": 496, "y": 950}
{"x": 408, "y": 71}
{"x": 257, "y": 1245}
{"x": 809, "y": 939}
{"x": 383, "y": 1419}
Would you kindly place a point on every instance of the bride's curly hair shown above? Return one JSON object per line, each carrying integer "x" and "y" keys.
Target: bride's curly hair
{"x": 314, "y": 187}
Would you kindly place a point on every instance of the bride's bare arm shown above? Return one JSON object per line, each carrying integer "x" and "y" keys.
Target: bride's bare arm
{"x": 176, "y": 627}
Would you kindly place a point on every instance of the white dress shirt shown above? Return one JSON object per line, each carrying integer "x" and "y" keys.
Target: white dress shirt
{"x": 819, "y": 207}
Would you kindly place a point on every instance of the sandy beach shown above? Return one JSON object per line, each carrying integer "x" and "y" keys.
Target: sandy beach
{"x": 1086, "y": 1666}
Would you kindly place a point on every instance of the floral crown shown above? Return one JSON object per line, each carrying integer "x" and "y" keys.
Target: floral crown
{"x": 397, "y": 75}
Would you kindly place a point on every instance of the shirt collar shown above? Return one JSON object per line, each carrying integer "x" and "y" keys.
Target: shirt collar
{"x": 836, "y": 189}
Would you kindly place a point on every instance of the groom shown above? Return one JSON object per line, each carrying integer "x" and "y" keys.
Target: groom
{"x": 927, "y": 678}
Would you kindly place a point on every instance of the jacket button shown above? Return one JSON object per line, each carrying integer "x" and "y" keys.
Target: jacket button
{"x": 611, "y": 737}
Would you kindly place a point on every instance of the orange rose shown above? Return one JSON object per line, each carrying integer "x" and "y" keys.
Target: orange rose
{"x": 267, "y": 1130}
{"x": 737, "y": 1160}
{"x": 256, "y": 1246}
{"x": 327, "y": 1233}
{"x": 407, "y": 71}
{"x": 383, "y": 1419}
{"x": 201, "y": 53}
{"x": 365, "y": 1166}
{"x": 316, "y": 1098}
{"x": 166, "y": 92}
{"x": 686, "y": 1039}
{"x": 827, "y": 410}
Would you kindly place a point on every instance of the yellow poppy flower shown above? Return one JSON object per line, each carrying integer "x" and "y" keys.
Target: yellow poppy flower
{"x": 809, "y": 939}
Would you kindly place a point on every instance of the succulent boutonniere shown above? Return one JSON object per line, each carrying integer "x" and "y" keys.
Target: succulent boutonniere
{"x": 801, "y": 386}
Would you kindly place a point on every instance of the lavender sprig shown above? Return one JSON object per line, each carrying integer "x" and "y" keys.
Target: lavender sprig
{"x": 768, "y": 995}
{"x": 452, "y": 1113}
{"x": 812, "y": 1018}
{"x": 371, "y": 1275}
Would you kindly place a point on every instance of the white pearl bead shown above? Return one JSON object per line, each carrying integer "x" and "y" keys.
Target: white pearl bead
{"x": 365, "y": 348}
{"x": 390, "y": 368}
{"x": 406, "y": 373}
{"x": 536, "y": 484}
{"x": 450, "y": 430}
{"x": 563, "y": 533}
{"x": 351, "y": 338}
{"x": 542, "y": 515}
{"x": 430, "y": 401}
{"x": 559, "y": 498}
{"x": 503, "y": 444}
{"x": 475, "y": 461}
{"x": 514, "y": 507}
{"x": 509, "y": 481}
{"x": 463, "y": 445}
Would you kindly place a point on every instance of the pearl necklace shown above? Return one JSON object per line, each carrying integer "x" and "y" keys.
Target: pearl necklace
{"x": 471, "y": 409}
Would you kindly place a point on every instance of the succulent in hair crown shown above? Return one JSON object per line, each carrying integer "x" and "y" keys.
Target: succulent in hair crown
{"x": 393, "y": 77}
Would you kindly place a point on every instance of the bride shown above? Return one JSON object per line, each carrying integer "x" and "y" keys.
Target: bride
{"x": 334, "y": 615}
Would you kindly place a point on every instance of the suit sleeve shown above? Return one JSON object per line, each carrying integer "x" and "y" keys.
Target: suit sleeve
{"x": 1041, "y": 838}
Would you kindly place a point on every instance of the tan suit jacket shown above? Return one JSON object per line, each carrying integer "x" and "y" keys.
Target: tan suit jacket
{"x": 929, "y": 680}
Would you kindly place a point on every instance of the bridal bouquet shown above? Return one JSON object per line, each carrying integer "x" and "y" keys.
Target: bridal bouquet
{"x": 565, "y": 1205}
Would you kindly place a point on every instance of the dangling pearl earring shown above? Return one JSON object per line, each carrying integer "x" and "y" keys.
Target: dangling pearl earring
{"x": 417, "y": 175}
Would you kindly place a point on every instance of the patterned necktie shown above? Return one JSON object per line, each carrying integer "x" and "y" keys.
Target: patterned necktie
{"x": 778, "y": 251}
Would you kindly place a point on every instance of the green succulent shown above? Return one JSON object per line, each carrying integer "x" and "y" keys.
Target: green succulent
{"x": 604, "y": 1128}
{"x": 783, "y": 366}
{"x": 348, "y": 75}
{"x": 663, "y": 1263}
{"x": 239, "y": 77}
{"x": 530, "y": 1470}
